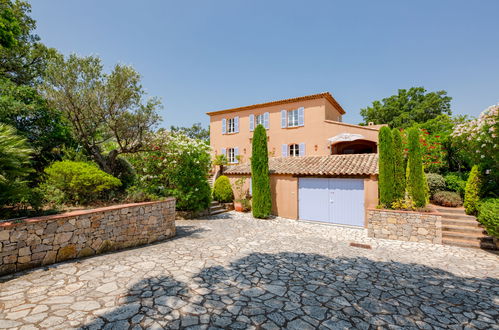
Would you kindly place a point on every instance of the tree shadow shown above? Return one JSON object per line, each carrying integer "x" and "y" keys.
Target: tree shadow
{"x": 308, "y": 291}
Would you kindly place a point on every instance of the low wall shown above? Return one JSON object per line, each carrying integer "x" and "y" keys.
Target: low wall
{"x": 32, "y": 242}
{"x": 404, "y": 226}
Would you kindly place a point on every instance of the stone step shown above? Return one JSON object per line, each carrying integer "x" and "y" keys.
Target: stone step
{"x": 218, "y": 212}
{"x": 215, "y": 203}
{"x": 216, "y": 208}
{"x": 465, "y": 235}
{"x": 450, "y": 210}
{"x": 486, "y": 244}
{"x": 461, "y": 222}
{"x": 456, "y": 216}
{"x": 460, "y": 228}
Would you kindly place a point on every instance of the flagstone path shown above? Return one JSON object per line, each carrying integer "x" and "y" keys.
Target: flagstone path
{"x": 231, "y": 271}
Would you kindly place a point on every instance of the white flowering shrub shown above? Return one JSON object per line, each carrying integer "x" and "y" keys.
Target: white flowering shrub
{"x": 479, "y": 140}
{"x": 176, "y": 165}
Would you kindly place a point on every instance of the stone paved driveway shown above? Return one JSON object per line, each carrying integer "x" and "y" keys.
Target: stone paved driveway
{"x": 236, "y": 272}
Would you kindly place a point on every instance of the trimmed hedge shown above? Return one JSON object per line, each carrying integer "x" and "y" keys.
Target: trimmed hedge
{"x": 78, "y": 182}
{"x": 222, "y": 190}
{"x": 488, "y": 216}
{"x": 386, "y": 167}
{"x": 472, "y": 191}
{"x": 447, "y": 198}
{"x": 262, "y": 198}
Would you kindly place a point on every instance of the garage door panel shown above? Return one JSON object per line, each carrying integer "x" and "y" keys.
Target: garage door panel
{"x": 332, "y": 200}
{"x": 313, "y": 195}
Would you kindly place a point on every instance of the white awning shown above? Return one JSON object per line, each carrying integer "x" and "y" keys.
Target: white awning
{"x": 344, "y": 137}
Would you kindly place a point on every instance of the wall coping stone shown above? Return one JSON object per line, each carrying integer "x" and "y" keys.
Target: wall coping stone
{"x": 12, "y": 223}
{"x": 403, "y": 211}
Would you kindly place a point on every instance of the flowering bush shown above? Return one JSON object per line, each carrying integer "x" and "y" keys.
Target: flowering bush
{"x": 175, "y": 165}
{"x": 479, "y": 139}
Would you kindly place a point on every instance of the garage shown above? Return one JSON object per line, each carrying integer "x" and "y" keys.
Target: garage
{"x": 333, "y": 200}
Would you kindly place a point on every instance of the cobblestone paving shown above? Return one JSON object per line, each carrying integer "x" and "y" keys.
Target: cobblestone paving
{"x": 232, "y": 271}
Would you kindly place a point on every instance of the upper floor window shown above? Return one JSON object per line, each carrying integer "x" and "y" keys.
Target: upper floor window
{"x": 259, "y": 120}
{"x": 231, "y": 155}
{"x": 293, "y": 118}
{"x": 230, "y": 125}
{"x": 294, "y": 150}
{"x": 262, "y": 119}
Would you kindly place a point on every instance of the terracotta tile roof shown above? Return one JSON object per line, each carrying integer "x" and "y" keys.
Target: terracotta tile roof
{"x": 326, "y": 96}
{"x": 357, "y": 164}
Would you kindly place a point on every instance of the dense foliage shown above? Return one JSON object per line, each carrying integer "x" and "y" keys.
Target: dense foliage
{"x": 175, "y": 165}
{"x": 407, "y": 108}
{"x": 77, "y": 182}
{"x": 222, "y": 190}
{"x": 262, "y": 199}
{"x": 447, "y": 198}
{"x": 14, "y": 165}
{"x": 455, "y": 181}
{"x": 472, "y": 191}
{"x": 416, "y": 179}
{"x": 386, "y": 167}
{"x": 436, "y": 182}
{"x": 399, "y": 165}
{"x": 488, "y": 215}
{"x": 196, "y": 131}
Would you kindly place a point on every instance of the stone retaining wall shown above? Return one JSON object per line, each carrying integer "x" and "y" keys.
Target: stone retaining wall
{"x": 404, "y": 225}
{"x": 28, "y": 243}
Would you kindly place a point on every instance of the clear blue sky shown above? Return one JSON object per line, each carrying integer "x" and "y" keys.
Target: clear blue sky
{"x": 201, "y": 56}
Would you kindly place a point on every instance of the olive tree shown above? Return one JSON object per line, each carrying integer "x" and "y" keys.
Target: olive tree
{"x": 103, "y": 108}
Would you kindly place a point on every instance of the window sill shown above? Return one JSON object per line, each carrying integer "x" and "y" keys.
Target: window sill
{"x": 292, "y": 127}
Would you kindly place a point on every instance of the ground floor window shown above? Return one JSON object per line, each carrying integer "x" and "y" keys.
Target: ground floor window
{"x": 294, "y": 150}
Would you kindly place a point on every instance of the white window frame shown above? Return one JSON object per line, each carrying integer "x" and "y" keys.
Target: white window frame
{"x": 231, "y": 125}
{"x": 293, "y": 118}
{"x": 260, "y": 120}
{"x": 231, "y": 155}
{"x": 294, "y": 150}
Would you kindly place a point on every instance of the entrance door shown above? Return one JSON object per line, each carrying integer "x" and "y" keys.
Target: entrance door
{"x": 332, "y": 200}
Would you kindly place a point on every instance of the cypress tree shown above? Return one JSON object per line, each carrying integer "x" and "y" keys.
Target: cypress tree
{"x": 262, "y": 199}
{"x": 471, "y": 193}
{"x": 399, "y": 165}
{"x": 417, "y": 188}
{"x": 386, "y": 167}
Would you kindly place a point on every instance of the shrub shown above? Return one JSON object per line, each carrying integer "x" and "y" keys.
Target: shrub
{"x": 175, "y": 165}
{"x": 447, "y": 198}
{"x": 455, "y": 182}
{"x": 436, "y": 182}
{"x": 472, "y": 191}
{"x": 124, "y": 171}
{"x": 488, "y": 216}
{"x": 386, "y": 167}
{"x": 262, "y": 199}
{"x": 14, "y": 166}
{"x": 80, "y": 182}
{"x": 222, "y": 190}
{"x": 136, "y": 194}
{"x": 399, "y": 165}
{"x": 416, "y": 180}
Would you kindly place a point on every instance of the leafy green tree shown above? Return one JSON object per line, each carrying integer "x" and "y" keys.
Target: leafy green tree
{"x": 25, "y": 60}
{"x": 44, "y": 127}
{"x": 262, "y": 198}
{"x": 386, "y": 167}
{"x": 399, "y": 165}
{"x": 408, "y": 107}
{"x": 196, "y": 131}
{"x": 9, "y": 25}
{"x": 417, "y": 187}
{"x": 101, "y": 107}
{"x": 472, "y": 191}
{"x": 14, "y": 165}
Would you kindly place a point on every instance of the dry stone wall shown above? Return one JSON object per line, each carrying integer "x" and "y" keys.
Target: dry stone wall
{"x": 29, "y": 243}
{"x": 404, "y": 226}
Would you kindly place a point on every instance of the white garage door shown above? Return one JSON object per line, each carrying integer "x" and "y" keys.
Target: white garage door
{"x": 332, "y": 200}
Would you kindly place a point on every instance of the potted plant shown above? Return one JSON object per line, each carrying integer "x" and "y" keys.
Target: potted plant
{"x": 242, "y": 203}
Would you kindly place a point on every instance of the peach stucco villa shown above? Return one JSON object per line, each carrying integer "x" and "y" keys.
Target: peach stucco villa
{"x": 322, "y": 169}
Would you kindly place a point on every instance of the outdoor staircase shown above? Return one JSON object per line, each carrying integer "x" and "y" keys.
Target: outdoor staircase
{"x": 460, "y": 229}
{"x": 216, "y": 208}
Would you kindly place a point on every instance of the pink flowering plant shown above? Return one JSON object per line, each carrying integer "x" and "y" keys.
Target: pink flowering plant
{"x": 175, "y": 165}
